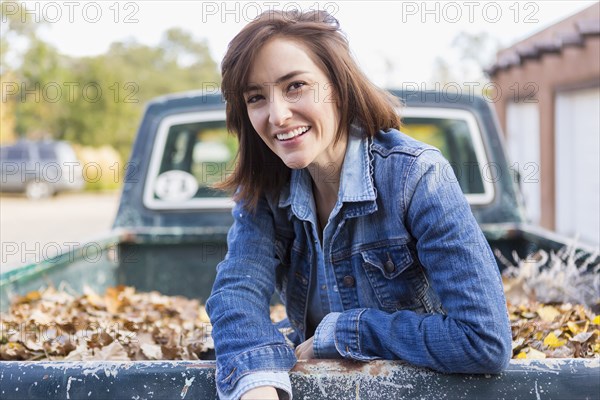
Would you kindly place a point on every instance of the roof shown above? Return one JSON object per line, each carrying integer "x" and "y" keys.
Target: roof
{"x": 572, "y": 31}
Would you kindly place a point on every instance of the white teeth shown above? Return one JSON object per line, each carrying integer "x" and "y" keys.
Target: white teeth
{"x": 291, "y": 134}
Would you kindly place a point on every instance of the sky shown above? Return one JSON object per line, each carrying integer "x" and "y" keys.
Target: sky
{"x": 394, "y": 41}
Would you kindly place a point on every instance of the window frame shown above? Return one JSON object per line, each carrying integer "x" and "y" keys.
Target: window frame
{"x": 203, "y": 203}
{"x": 224, "y": 203}
{"x": 475, "y": 199}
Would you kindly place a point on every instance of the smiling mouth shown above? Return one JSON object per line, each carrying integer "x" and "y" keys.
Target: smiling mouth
{"x": 282, "y": 137}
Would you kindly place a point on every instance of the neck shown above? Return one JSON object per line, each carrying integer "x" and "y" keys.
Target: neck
{"x": 326, "y": 174}
{"x": 326, "y": 192}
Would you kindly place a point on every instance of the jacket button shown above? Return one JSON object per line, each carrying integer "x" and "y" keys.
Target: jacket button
{"x": 348, "y": 281}
{"x": 389, "y": 266}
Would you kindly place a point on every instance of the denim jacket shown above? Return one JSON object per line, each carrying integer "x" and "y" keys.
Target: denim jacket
{"x": 404, "y": 272}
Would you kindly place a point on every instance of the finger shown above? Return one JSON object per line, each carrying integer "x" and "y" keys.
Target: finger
{"x": 299, "y": 352}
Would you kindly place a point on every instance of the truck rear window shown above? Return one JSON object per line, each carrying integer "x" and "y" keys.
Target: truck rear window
{"x": 194, "y": 151}
{"x": 203, "y": 150}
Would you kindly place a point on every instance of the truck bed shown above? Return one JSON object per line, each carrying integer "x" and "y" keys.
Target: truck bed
{"x": 165, "y": 258}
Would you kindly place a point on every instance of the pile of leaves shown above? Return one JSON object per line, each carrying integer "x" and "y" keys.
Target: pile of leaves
{"x": 554, "y": 331}
{"x": 121, "y": 325}
{"x": 125, "y": 325}
{"x": 550, "y": 298}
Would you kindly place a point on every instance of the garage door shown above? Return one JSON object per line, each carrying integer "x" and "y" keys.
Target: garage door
{"x": 523, "y": 141}
{"x": 578, "y": 164}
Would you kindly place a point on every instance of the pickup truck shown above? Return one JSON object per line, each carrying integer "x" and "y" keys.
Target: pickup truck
{"x": 170, "y": 233}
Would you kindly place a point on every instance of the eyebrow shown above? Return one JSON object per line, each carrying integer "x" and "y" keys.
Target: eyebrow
{"x": 289, "y": 75}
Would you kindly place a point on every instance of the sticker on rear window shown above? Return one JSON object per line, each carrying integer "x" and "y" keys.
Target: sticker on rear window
{"x": 175, "y": 186}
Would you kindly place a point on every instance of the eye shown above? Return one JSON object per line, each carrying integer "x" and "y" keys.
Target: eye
{"x": 296, "y": 85}
{"x": 253, "y": 99}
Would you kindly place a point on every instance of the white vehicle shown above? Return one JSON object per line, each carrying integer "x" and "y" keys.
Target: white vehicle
{"x": 40, "y": 169}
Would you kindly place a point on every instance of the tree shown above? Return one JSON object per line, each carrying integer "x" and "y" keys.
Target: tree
{"x": 12, "y": 29}
{"x": 96, "y": 100}
{"x": 43, "y": 99}
{"x": 7, "y": 114}
{"x": 130, "y": 74}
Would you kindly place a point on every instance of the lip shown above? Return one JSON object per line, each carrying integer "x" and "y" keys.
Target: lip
{"x": 290, "y": 129}
{"x": 295, "y": 140}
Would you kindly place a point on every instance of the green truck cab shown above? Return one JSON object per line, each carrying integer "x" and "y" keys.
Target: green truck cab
{"x": 170, "y": 233}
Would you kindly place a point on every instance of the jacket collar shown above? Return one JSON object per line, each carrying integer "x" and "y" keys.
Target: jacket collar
{"x": 356, "y": 184}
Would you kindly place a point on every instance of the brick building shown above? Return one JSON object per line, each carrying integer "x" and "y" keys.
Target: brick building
{"x": 550, "y": 113}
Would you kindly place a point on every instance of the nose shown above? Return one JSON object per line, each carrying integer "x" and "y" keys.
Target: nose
{"x": 279, "y": 111}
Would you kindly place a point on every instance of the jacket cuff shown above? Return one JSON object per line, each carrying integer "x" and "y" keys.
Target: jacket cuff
{"x": 275, "y": 358}
{"x": 347, "y": 335}
{"x": 324, "y": 340}
{"x": 278, "y": 380}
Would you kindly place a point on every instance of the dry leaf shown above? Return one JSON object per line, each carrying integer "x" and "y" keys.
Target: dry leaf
{"x": 13, "y": 351}
{"x": 552, "y": 341}
{"x": 80, "y": 353}
{"x": 534, "y": 354}
{"x": 152, "y": 351}
{"x": 517, "y": 344}
{"x": 28, "y": 298}
{"x": 93, "y": 298}
{"x": 548, "y": 313}
{"x": 112, "y": 352}
{"x": 574, "y": 327}
{"x": 582, "y": 337}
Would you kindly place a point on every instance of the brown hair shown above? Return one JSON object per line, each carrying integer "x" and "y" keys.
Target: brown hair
{"x": 258, "y": 170}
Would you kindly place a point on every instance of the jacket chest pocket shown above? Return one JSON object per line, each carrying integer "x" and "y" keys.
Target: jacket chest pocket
{"x": 397, "y": 280}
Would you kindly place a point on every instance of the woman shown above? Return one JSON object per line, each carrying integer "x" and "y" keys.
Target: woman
{"x": 373, "y": 250}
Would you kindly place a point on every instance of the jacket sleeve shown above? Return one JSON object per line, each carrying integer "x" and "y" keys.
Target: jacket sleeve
{"x": 245, "y": 339}
{"x": 474, "y": 336}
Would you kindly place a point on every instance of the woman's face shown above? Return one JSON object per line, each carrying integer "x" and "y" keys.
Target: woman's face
{"x": 291, "y": 105}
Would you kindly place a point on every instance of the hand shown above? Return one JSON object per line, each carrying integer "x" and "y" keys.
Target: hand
{"x": 261, "y": 393}
{"x": 305, "y": 351}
